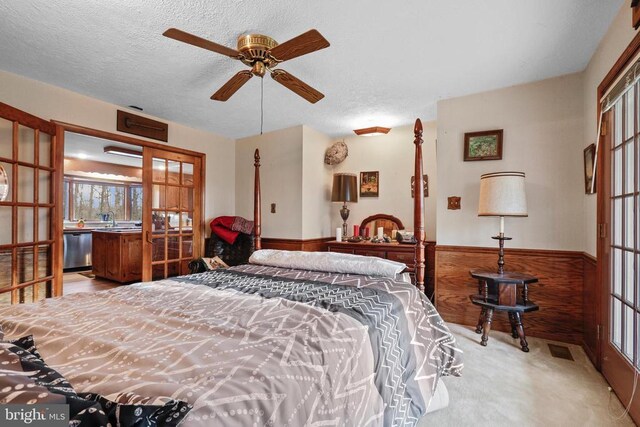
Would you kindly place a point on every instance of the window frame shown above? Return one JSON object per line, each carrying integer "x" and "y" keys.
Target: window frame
{"x": 69, "y": 209}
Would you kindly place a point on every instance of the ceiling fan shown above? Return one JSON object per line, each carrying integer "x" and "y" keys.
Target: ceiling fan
{"x": 262, "y": 54}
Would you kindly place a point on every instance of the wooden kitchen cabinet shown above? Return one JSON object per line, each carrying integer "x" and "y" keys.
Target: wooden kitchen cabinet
{"x": 117, "y": 255}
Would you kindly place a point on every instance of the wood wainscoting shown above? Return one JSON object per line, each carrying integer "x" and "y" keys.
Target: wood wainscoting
{"x": 591, "y": 310}
{"x": 559, "y": 292}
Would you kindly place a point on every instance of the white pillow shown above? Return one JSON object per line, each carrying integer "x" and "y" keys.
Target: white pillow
{"x": 328, "y": 261}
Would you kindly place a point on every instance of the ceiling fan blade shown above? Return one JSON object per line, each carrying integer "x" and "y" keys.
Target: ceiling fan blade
{"x": 174, "y": 33}
{"x": 297, "y": 86}
{"x": 232, "y": 86}
{"x": 305, "y": 43}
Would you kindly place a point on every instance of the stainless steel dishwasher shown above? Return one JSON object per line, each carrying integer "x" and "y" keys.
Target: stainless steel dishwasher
{"x": 77, "y": 249}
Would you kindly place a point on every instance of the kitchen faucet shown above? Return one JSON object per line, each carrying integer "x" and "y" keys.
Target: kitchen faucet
{"x": 113, "y": 218}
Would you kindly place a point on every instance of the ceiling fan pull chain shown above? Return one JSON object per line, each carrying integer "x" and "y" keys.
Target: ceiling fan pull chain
{"x": 261, "y": 104}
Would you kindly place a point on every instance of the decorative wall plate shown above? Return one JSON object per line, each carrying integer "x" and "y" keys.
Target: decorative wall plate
{"x": 4, "y": 184}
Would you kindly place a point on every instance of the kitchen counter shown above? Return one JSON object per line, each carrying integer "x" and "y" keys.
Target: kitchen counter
{"x": 79, "y": 246}
{"x": 118, "y": 230}
{"x": 117, "y": 254}
{"x": 139, "y": 230}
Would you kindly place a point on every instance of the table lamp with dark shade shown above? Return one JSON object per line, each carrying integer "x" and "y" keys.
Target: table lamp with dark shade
{"x": 502, "y": 194}
{"x": 345, "y": 189}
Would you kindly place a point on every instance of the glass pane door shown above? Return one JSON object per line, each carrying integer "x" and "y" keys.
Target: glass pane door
{"x": 625, "y": 234}
{"x": 621, "y": 247}
{"x": 172, "y": 217}
{"x": 27, "y": 242}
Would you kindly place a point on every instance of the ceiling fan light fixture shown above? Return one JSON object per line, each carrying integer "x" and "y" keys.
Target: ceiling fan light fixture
{"x": 256, "y": 46}
{"x": 372, "y": 131}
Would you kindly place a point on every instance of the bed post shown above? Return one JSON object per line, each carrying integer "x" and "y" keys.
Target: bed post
{"x": 418, "y": 206}
{"x": 257, "y": 216}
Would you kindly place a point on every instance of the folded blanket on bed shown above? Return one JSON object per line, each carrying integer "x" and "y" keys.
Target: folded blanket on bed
{"x": 229, "y": 227}
{"x": 328, "y": 261}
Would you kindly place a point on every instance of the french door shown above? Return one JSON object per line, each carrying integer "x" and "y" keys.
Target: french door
{"x": 28, "y": 242}
{"x": 171, "y": 224}
{"x": 621, "y": 304}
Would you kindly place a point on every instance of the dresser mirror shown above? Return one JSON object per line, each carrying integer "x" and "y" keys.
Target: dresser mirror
{"x": 389, "y": 223}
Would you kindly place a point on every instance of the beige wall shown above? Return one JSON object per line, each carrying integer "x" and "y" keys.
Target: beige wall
{"x": 611, "y": 47}
{"x": 51, "y": 102}
{"x": 293, "y": 176}
{"x": 543, "y": 130}
{"x": 392, "y": 155}
{"x": 316, "y": 185}
{"x": 281, "y": 181}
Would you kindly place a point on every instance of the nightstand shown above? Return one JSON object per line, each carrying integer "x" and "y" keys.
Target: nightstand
{"x": 503, "y": 292}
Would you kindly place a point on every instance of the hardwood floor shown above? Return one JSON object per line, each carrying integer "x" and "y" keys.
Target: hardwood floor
{"x": 77, "y": 282}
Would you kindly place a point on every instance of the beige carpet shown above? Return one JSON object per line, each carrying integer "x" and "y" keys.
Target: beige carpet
{"x": 502, "y": 386}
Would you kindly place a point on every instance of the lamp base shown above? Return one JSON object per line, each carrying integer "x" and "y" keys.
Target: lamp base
{"x": 501, "y": 237}
{"x": 344, "y": 213}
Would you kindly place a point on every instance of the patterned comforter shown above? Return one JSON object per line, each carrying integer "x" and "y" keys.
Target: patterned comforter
{"x": 252, "y": 345}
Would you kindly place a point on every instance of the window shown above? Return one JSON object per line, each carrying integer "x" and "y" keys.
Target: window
{"x": 65, "y": 200}
{"x": 88, "y": 199}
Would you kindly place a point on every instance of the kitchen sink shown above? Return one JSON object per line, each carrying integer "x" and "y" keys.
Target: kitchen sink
{"x": 119, "y": 229}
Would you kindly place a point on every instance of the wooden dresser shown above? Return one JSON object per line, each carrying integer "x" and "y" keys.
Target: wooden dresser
{"x": 394, "y": 252}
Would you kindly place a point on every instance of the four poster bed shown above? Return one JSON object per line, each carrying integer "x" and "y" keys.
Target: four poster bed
{"x": 289, "y": 339}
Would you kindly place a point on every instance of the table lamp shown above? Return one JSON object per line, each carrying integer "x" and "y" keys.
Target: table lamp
{"x": 345, "y": 189}
{"x": 502, "y": 194}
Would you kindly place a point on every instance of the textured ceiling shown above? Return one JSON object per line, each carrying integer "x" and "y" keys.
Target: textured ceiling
{"x": 389, "y": 61}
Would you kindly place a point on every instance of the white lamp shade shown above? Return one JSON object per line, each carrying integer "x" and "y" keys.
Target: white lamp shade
{"x": 502, "y": 194}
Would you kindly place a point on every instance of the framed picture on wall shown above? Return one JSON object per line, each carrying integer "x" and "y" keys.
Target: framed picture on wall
{"x": 369, "y": 184}
{"x": 425, "y": 181}
{"x": 485, "y": 145}
{"x": 589, "y": 176}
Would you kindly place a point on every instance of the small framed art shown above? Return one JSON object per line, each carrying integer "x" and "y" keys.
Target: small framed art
{"x": 485, "y": 145}
{"x": 369, "y": 184}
